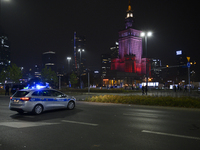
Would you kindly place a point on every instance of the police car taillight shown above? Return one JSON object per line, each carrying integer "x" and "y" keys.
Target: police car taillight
{"x": 25, "y": 98}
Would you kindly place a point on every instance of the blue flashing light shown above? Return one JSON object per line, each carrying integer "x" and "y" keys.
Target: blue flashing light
{"x": 37, "y": 86}
{"x": 40, "y": 86}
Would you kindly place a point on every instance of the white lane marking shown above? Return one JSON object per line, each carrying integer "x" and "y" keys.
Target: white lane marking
{"x": 139, "y": 115}
{"x": 168, "y": 134}
{"x": 84, "y": 123}
{"x": 25, "y": 124}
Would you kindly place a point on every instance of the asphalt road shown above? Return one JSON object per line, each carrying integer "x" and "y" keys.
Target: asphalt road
{"x": 101, "y": 126}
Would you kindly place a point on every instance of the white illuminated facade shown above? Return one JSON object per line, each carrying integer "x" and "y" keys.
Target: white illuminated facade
{"x": 151, "y": 84}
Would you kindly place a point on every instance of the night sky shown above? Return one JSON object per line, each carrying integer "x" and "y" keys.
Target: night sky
{"x": 37, "y": 26}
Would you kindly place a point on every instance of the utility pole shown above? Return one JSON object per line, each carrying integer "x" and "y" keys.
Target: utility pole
{"x": 188, "y": 65}
{"x": 88, "y": 82}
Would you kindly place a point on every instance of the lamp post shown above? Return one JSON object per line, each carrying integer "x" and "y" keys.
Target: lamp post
{"x": 145, "y": 35}
{"x": 69, "y": 58}
{"x": 80, "y": 51}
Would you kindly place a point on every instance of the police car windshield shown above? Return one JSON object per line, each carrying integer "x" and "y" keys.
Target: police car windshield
{"x": 20, "y": 93}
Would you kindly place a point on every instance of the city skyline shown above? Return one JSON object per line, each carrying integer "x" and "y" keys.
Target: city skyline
{"x": 34, "y": 27}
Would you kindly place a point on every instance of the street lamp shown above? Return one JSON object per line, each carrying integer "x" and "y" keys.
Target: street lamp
{"x": 145, "y": 35}
{"x": 69, "y": 58}
{"x": 80, "y": 51}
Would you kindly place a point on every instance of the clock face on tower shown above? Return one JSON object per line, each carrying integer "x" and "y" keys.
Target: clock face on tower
{"x": 129, "y": 15}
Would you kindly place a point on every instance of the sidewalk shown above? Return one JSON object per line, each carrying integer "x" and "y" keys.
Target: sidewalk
{"x": 82, "y": 96}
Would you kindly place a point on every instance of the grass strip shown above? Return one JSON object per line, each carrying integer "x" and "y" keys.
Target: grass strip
{"x": 187, "y": 102}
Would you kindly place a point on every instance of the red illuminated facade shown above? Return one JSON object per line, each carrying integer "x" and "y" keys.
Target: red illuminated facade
{"x": 130, "y": 49}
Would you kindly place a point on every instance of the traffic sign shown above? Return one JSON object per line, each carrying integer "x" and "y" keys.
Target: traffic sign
{"x": 188, "y": 65}
{"x": 188, "y": 58}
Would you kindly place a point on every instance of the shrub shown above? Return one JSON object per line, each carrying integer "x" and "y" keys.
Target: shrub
{"x": 114, "y": 90}
{"x": 188, "y": 102}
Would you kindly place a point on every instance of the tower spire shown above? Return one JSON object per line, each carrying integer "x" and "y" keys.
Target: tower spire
{"x": 129, "y": 5}
{"x": 129, "y": 17}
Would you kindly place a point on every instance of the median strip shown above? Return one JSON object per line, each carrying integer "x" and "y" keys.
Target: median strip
{"x": 168, "y": 134}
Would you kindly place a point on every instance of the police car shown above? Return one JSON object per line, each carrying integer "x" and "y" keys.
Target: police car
{"x": 39, "y": 100}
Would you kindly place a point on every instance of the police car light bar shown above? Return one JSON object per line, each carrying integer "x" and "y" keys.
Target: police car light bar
{"x": 37, "y": 86}
{"x": 40, "y": 86}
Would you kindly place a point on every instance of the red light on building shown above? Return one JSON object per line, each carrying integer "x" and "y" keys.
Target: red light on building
{"x": 105, "y": 80}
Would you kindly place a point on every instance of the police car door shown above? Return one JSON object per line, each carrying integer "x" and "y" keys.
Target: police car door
{"x": 60, "y": 99}
{"x": 48, "y": 99}
{"x": 43, "y": 97}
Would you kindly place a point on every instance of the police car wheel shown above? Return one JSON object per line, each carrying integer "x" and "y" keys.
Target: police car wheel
{"x": 38, "y": 109}
{"x": 71, "y": 105}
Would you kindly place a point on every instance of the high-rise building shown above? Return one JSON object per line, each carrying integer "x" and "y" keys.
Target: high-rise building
{"x": 49, "y": 60}
{"x": 79, "y": 56}
{"x": 105, "y": 64}
{"x": 5, "y": 60}
{"x": 129, "y": 67}
{"x": 130, "y": 48}
{"x": 156, "y": 72}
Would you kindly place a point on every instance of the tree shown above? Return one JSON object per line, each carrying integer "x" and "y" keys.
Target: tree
{"x": 14, "y": 73}
{"x": 73, "y": 79}
{"x": 3, "y": 75}
{"x": 49, "y": 76}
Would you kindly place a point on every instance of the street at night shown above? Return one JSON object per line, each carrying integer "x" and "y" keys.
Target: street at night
{"x": 102, "y": 126}
{"x": 124, "y": 75}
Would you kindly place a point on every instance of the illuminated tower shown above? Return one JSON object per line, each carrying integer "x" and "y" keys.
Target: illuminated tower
{"x": 79, "y": 57}
{"x": 129, "y": 66}
{"x": 130, "y": 45}
{"x": 129, "y": 20}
